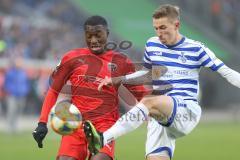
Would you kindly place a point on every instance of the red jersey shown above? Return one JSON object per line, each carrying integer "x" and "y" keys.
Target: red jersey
{"x": 84, "y": 70}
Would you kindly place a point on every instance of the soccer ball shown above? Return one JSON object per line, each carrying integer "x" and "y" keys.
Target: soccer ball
{"x": 65, "y": 118}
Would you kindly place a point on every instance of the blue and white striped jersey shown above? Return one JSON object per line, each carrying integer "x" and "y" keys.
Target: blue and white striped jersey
{"x": 175, "y": 69}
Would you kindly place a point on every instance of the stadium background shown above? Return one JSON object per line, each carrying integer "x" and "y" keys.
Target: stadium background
{"x": 40, "y": 31}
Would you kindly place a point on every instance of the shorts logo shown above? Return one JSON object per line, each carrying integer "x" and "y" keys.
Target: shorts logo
{"x": 182, "y": 58}
{"x": 112, "y": 67}
{"x": 108, "y": 146}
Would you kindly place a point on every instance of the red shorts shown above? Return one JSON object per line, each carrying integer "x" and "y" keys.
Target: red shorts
{"x": 75, "y": 145}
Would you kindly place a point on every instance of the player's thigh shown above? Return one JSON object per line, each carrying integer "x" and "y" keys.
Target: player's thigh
{"x": 74, "y": 146}
{"x": 106, "y": 153}
{"x": 101, "y": 156}
{"x": 159, "y": 106}
{"x": 66, "y": 158}
{"x": 157, "y": 158}
{"x": 187, "y": 117}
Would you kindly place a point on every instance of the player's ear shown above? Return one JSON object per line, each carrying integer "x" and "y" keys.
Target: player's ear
{"x": 177, "y": 24}
{"x": 107, "y": 31}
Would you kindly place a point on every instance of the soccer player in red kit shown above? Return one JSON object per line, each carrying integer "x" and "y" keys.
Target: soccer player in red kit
{"x": 80, "y": 71}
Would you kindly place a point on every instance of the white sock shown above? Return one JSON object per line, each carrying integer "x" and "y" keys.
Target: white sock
{"x": 127, "y": 123}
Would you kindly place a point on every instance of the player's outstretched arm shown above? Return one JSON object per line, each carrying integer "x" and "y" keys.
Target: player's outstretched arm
{"x": 211, "y": 61}
{"x": 133, "y": 78}
{"x": 230, "y": 75}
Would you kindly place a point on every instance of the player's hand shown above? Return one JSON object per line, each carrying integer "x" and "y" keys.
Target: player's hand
{"x": 110, "y": 81}
{"x": 105, "y": 82}
{"x": 39, "y": 133}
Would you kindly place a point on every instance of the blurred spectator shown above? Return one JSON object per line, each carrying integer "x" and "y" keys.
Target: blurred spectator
{"x": 39, "y": 30}
{"x": 39, "y": 83}
{"x": 1, "y": 91}
{"x": 215, "y": 11}
{"x": 16, "y": 86}
{"x": 230, "y": 17}
{"x": 52, "y": 28}
{"x": 222, "y": 15}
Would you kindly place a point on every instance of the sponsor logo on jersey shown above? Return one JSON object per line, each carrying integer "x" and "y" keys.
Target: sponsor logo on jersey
{"x": 157, "y": 53}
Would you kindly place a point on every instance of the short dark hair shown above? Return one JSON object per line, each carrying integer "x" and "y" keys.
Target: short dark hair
{"x": 95, "y": 20}
{"x": 167, "y": 10}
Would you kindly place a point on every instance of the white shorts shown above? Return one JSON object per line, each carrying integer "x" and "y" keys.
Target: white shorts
{"x": 161, "y": 136}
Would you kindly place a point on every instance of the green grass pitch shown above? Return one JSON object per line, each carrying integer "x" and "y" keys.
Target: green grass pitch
{"x": 208, "y": 141}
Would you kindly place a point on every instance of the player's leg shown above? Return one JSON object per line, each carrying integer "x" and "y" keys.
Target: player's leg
{"x": 188, "y": 115}
{"x": 65, "y": 158}
{"x": 12, "y": 111}
{"x": 158, "y": 106}
{"x": 105, "y": 153}
{"x": 101, "y": 156}
{"x": 161, "y": 107}
{"x": 158, "y": 158}
{"x": 73, "y": 147}
{"x": 159, "y": 145}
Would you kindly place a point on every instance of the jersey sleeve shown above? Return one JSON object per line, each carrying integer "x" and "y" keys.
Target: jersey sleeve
{"x": 138, "y": 91}
{"x": 57, "y": 80}
{"x": 146, "y": 59}
{"x": 209, "y": 60}
{"x": 48, "y": 103}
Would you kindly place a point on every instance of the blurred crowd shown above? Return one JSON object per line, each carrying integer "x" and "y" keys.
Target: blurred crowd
{"x": 32, "y": 30}
{"x": 222, "y": 15}
{"x": 225, "y": 18}
{"x": 42, "y": 29}
{"x": 45, "y": 29}
{"x": 34, "y": 34}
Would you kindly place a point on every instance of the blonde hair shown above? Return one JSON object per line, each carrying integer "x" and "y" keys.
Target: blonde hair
{"x": 167, "y": 10}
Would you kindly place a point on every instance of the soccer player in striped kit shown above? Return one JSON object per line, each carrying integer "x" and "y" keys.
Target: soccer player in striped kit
{"x": 174, "y": 62}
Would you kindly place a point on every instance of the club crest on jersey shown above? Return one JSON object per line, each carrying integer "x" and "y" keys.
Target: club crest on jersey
{"x": 182, "y": 58}
{"x": 112, "y": 67}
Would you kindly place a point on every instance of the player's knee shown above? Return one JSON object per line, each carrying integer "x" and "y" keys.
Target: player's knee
{"x": 149, "y": 102}
{"x": 156, "y": 101}
{"x": 159, "y": 107}
{"x": 158, "y": 158}
{"x": 66, "y": 158}
{"x": 101, "y": 156}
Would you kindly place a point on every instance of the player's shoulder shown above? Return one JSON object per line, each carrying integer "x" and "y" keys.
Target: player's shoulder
{"x": 194, "y": 43}
{"x": 121, "y": 59}
{"x": 154, "y": 39}
{"x": 71, "y": 54}
{"x": 119, "y": 55}
{"x": 76, "y": 52}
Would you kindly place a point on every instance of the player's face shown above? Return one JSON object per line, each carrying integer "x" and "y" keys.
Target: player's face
{"x": 96, "y": 38}
{"x": 166, "y": 29}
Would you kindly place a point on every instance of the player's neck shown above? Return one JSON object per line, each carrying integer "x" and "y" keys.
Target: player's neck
{"x": 178, "y": 38}
{"x": 100, "y": 53}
